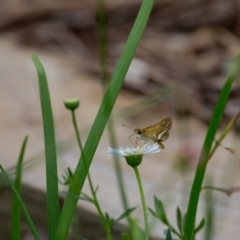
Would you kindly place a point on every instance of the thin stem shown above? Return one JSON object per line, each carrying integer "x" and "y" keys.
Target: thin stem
{"x": 223, "y": 135}
{"x": 118, "y": 168}
{"x": 143, "y": 201}
{"x": 76, "y": 130}
{"x": 95, "y": 200}
{"x": 105, "y": 79}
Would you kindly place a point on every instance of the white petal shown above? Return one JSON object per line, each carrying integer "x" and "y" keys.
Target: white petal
{"x": 115, "y": 152}
{"x": 152, "y": 149}
{"x": 146, "y": 149}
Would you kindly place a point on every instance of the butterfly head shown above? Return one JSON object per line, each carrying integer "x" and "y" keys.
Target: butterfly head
{"x": 138, "y": 132}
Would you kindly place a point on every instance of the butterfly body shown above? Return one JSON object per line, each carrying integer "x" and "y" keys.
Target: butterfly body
{"x": 156, "y": 133}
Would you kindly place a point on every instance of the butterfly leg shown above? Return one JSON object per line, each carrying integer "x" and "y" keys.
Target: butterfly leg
{"x": 137, "y": 139}
{"x": 161, "y": 145}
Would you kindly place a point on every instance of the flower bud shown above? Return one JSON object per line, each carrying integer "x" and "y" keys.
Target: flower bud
{"x": 71, "y": 103}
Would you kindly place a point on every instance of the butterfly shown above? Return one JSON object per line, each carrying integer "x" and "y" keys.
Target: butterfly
{"x": 156, "y": 133}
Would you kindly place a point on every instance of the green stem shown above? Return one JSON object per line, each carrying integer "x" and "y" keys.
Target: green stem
{"x": 95, "y": 200}
{"x": 104, "y": 75}
{"x": 101, "y": 119}
{"x": 223, "y": 135}
{"x": 143, "y": 201}
{"x": 117, "y": 167}
{"x": 102, "y": 42}
{"x": 76, "y": 130}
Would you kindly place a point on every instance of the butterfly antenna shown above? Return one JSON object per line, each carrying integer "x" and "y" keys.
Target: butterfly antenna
{"x": 131, "y": 135}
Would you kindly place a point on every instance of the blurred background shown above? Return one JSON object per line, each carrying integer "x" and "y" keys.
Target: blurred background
{"x": 178, "y": 71}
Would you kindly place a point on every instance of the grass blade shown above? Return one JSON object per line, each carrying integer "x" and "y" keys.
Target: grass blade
{"x": 204, "y": 156}
{"x": 50, "y": 151}
{"x": 102, "y": 117}
{"x": 169, "y": 236}
{"x": 28, "y": 218}
{"x": 16, "y": 209}
{"x": 179, "y": 220}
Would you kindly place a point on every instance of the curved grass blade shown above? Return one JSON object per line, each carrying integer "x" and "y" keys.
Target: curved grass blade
{"x": 50, "y": 151}
{"x": 200, "y": 226}
{"x": 204, "y": 156}
{"x": 103, "y": 116}
{"x": 16, "y": 209}
{"x": 28, "y": 218}
{"x": 179, "y": 220}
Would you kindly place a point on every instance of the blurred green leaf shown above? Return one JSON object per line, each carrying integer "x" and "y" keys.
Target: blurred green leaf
{"x": 160, "y": 210}
{"x": 179, "y": 220}
{"x": 169, "y": 236}
{"x": 85, "y": 197}
{"x": 125, "y": 214}
{"x": 137, "y": 232}
{"x": 24, "y": 209}
{"x": 200, "y": 226}
{"x": 125, "y": 236}
{"x": 111, "y": 221}
{"x": 16, "y": 208}
{"x": 53, "y": 207}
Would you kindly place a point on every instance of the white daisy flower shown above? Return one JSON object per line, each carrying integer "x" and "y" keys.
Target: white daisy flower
{"x": 134, "y": 155}
{"x": 146, "y": 149}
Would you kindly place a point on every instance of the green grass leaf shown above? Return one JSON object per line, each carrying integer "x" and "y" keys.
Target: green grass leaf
{"x": 200, "y": 226}
{"x": 122, "y": 216}
{"x": 16, "y": 208}
{"x": 125, "y": 236}
{"x": 136, "y": 231}
{"x": 160, "y": 211}
{"x": 169, "y": 235}
{"x": 20, "y": 202}
{"x": 160, "y": 214}
{"x": 179, "y": 220}
{"x": 204, "y": 156}
{"x": 125, "y": 214}
{"x": 50, "y": 150}
{"x": 103, "y": 116}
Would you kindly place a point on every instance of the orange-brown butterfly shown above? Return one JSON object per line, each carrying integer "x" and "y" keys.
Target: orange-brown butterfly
{"x": 156, "y": 133}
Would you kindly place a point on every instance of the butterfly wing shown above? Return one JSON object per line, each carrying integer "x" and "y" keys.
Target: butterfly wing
{"x": 158, "y": 132}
